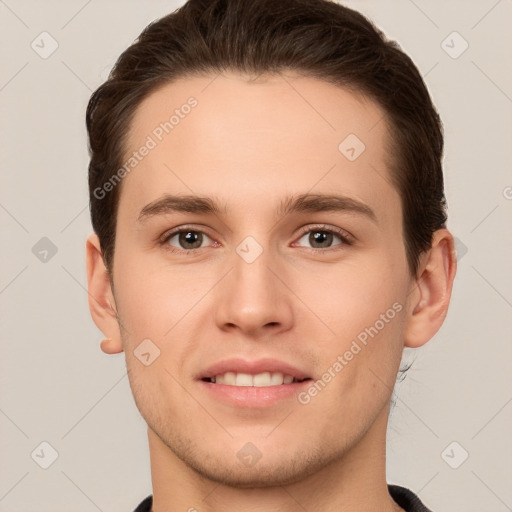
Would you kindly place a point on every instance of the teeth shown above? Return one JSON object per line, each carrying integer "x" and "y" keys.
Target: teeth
{"x": 276, "y": 379}
{"x": 229, "y": 378}
{"x": 243, "y": 379}
{"x": 260, "y": 380}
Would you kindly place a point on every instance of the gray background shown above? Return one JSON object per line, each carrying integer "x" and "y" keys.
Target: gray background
{"x": 58, "y": 387}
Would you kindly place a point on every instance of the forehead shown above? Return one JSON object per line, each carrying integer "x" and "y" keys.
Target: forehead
{"x": 234, "y": 136}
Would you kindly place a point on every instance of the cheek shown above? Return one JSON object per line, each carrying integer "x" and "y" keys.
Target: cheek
{"x": 152, "y": 299}
{"x": 362, "y": 345}
{"x": 346, "y": 299}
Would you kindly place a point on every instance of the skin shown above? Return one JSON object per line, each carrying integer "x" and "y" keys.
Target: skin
{"x": 248, "y": 144}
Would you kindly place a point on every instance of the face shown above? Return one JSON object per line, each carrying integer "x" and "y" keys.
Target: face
{"x": 289, "y": 265}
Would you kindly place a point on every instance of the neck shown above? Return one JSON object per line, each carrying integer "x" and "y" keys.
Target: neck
{"x": 355, "y": 482}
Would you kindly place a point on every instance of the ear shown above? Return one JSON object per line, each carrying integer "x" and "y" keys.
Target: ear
{"x": 101, "y": 297}
{"x": 432, "y": 290}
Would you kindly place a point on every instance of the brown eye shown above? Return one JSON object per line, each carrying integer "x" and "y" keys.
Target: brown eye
{"x": 186, "y": 239}
{"x": 321, "y": 239}
{"x": 190, "y": 239}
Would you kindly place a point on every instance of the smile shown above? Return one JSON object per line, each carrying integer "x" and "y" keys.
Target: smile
{"x": 263, "y": 379}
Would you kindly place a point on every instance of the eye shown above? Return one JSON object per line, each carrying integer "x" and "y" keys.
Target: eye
{"x": 185, "y": 239}
{"x": 324, "y": 238}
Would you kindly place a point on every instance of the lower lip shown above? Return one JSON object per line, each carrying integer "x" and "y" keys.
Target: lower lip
{"x": 254, "y": 397}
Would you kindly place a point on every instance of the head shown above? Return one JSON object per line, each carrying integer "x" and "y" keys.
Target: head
{"x": 296, "y": 124}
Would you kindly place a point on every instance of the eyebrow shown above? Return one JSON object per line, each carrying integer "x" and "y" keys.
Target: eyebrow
{"x": 325, "y": 203}
{"x": 188, "y": 204}
{"x": 293, "y": 204}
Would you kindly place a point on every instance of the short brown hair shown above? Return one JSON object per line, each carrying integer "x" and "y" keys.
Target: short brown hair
{"x": 317, "y": 38}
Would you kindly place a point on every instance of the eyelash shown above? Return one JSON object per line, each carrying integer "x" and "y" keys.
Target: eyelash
{"x": 344, "y": 236}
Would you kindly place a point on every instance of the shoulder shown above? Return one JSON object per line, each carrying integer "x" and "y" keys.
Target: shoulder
{"x": 407, "y": 499}
{"x": 145, "y": 505}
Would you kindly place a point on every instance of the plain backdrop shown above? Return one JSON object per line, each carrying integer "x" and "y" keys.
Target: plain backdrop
{"x": 57, "y": 387}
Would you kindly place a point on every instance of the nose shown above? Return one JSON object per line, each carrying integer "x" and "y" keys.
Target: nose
{"x": 252, "y": 299}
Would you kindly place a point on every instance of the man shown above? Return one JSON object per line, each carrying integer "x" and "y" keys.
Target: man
{"x": 267, "y": 200}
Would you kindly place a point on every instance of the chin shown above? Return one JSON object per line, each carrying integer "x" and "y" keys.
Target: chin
{"x": 269, "y": 462}
{"x": 284, "y": 470}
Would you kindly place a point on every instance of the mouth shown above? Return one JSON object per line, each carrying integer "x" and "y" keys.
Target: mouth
{"x": 259, "y": 380}
{"x": 253, "y": 384}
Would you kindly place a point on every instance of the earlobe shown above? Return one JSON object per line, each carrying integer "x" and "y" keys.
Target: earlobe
{"x": 433, "y": 288}
{"x": 110, "y": 347}
{"x": 101, "y": 298}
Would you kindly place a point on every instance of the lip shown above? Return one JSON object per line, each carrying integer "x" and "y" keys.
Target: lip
{"x": 250, "y": 397}
{"x": 239, "y": 365}
{"x": 253, "y": 397}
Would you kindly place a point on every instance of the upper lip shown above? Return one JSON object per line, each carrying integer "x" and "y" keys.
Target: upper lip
{"x": 239, "y": 365}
